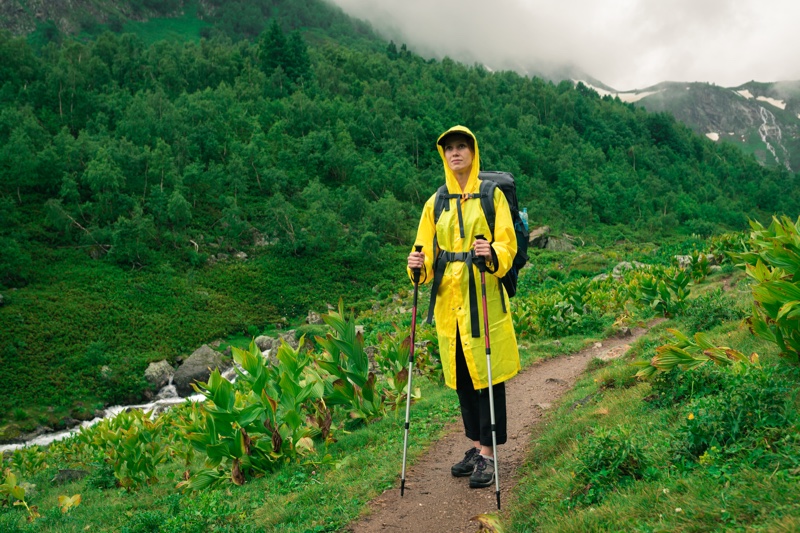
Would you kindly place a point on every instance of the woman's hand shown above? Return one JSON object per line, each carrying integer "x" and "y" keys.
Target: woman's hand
{"x": 482, "y": 248}
{"x": 416, "y": 260}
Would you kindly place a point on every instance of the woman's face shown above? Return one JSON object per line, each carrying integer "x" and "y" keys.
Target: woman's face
{"x": 458, "y": 154}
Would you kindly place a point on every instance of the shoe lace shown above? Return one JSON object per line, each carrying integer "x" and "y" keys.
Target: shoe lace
{"x": 481, "y": 464}
{"x": 468, "y": 456}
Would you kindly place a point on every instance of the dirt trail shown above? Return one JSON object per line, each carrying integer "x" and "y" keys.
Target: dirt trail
{"x": 434, "y": 501}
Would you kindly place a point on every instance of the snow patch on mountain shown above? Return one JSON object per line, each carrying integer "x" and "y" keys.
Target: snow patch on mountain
{"x": 777, "y": 103}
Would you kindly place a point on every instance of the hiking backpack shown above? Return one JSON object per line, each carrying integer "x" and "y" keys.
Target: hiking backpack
{"x": 489, "y": 180}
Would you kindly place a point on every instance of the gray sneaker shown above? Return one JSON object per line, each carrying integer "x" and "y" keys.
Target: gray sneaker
{"x": 466, "y": 466}
{"x": 483, "y": 476}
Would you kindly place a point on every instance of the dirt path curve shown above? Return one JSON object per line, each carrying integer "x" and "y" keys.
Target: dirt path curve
{"x": 436, "y": 502}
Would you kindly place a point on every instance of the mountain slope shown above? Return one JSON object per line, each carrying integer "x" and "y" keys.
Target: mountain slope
{"x": 761, "y": 118}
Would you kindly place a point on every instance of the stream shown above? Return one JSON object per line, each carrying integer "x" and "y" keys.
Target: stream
{"x": 167, "y": 397}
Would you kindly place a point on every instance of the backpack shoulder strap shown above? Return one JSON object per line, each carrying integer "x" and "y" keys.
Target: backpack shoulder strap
{"x": 487, "y": 188}
{"x": 440, "y": 203}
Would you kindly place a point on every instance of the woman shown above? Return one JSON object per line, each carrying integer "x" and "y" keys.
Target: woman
{"x": 458, "y": 317}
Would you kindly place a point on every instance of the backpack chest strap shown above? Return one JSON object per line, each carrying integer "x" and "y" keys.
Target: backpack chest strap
{"x": 443, "y": 201}
{"x": 440, "y": 264}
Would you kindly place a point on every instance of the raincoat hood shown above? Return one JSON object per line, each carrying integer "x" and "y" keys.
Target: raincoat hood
{"x": 450, "y": 177}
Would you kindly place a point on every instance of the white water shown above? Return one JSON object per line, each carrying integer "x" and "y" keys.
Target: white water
{"x": 770, "y": 129}
{"x": 167, "y": 397}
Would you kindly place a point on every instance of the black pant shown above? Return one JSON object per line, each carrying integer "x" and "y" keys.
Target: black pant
{"x": 475, "y": 404}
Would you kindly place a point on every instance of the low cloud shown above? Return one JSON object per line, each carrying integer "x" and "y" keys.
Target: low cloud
{"x": 626, "y": 44}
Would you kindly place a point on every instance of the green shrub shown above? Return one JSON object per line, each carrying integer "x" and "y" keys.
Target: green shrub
{"x": 750, "y": 411}
{"x": 679, "y": 386}
{"x": 606, "y": 460}
{"x": 710, "y": 310}
{"x": 101, "y": 476}
{"x": 145, "y": 522}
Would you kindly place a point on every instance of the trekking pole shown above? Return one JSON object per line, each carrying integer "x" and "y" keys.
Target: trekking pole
{"x": 481, "y": 264}
{"x": 416, "y": 272}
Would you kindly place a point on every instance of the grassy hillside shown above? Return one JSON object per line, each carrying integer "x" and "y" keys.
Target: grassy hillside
{"x": 127, "y": 168}
{"x": 662, "y": 454}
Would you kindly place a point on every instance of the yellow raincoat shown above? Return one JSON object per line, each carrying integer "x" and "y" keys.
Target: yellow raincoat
{"x": 452, "y": 298}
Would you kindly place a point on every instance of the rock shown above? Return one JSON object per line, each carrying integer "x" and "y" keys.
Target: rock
{"x": 240, "y": 256}
{"x": 158, "y": 373}
{"x": 685, "y": 261}
{"x": 9, "y": 433}
{"x": 289, "y": 338}
{"x": 265, "y": 343}
{"x": 538, "y": 236}
{"x": 167, "y": 392}
{"x": 598, "y": 345}
{"x": 198, "y": 367}
{"x": 371, "y": 352}
{"x": 624, "y": 331}
{"x": 67, "y": 475}
{"x": 314, "y": 318}
{"x": 38, "y": 432}
{"x": 30, "y": 490}
{"x": 601, "y": 277}
{"x": 559, "y": 245}
{"x": 624, "y": 266}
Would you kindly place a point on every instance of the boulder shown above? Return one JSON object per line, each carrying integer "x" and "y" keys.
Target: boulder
{"x": 625, "y": 266}
{"x": 68, "y": 475}
{"x": 559, "y": 245}
{"x": 685, "y": 261}
{"x": 158, "y": 373}
{"x": 265, "y": 343}
{"x": 289, "y": 339}
{"x": 314, "y": 318}
{"x": 198, "y": 367}
{"x": 538, "y": 236}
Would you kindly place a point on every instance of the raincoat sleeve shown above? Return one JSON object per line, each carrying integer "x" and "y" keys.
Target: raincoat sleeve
{"x": 505, "y": 240}
{"x": 425, "y": 233}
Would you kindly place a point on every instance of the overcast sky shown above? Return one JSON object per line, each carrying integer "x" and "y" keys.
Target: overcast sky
{"x": 626, "y": 44}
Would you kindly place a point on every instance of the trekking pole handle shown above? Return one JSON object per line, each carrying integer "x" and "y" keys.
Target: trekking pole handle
{"x": 479, "y": 261}
{"x": 416, "y": 271}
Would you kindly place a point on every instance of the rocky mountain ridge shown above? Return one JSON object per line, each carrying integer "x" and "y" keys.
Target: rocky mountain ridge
{"x": 761, "y": 118}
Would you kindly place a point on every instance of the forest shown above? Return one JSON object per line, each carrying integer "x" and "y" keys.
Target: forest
{"x": 131, "y": 169}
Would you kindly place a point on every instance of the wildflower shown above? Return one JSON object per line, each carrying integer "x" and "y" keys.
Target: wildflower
{"x": 678, "y": 510}
{"x": 691, "y": 416}
{"x": 665, "y": 491}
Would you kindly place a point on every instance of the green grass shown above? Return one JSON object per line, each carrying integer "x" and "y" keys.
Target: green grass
{"x": 323, "y": 492}
{"x": 731, "y": 496}
{"x": 184, "y": 28}
{"x": 80, "y": 315}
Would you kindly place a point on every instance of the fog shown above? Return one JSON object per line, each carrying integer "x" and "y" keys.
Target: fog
{"x": 626, "y": 44}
